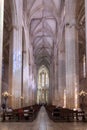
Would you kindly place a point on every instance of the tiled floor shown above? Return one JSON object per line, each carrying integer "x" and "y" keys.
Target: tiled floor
{"x": 43, "y": 123}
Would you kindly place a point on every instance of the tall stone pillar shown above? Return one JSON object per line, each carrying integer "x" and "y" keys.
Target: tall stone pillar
{"x": 54, "y": 81}
{"x": 30, "y": 85}
{"x": 61, "y": 78}
{"x": 15, "y": 60}
{"x": 86, "y": 32}
{"x": 36, "y": 84}
{"x": 1, "y": 40}
{"x": 34, "y": 87}
{"x": 31, "y": 77}
{"x": 51, "y": 84}
{"x": 71, "y": 50}
{"x": 26, "y": 68}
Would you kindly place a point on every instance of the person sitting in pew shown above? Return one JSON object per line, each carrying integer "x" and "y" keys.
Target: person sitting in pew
{"x": 31, "y": 109}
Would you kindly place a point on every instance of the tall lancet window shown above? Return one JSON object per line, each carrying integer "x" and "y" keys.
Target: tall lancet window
{"x": 43, "y": 85}
{"x": 47, "y": 81}
{"x": 84, "y": 66}
{"x": 42, "y": 79}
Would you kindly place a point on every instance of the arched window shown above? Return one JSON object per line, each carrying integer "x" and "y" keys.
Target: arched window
{"x": 43, "y": 85}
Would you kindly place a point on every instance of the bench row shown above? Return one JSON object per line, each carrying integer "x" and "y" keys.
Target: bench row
{"x": 65, "y": 114}
{"x": 21, "y": 114}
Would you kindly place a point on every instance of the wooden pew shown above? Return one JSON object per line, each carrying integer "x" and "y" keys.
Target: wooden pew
{"x": 20, "y": 114}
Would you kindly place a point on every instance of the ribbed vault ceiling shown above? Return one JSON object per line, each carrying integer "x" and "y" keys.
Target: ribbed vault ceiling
{"x": 43, "y": 22}
{"x": 44, "y": 19}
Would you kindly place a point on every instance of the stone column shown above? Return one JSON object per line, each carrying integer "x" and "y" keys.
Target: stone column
{"x": 55, "y": 72}
{"x": 15, "y": 60}
{"x": 26, "y": 67}
{"x": 86, "y": 32}
{"x": 31, "y": 76}
{"x": 50, "y": 83}
{"x": 71, "y": 50}
{"x": 1, "y": 40}
{"x": 51, "y": 80}
{"x": 36, "y": 81}
{"x": 56, "y": 80}
{"x": 30, "y": 85}
{"x": 61, "y": 78}
{"x": 35, "y": 85}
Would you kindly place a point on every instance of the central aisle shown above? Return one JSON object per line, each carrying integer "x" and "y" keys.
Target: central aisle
{"x": 43, "y": 123}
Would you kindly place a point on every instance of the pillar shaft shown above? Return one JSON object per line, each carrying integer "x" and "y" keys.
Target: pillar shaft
{"x": 61, "y": 78}
{"x": 51, "y": 84}
{"x": 55, "y": 85}
{"x": 1, "y": 40}
{"x": 71, "y": 49}
{"x": 26, "y": 68}
{"x": 15, "y": 60}
{"x": 86, "y": 31}
{"x": 54, "y": 82}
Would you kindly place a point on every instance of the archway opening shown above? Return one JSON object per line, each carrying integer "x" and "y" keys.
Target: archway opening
{"x": 43, "y": 85}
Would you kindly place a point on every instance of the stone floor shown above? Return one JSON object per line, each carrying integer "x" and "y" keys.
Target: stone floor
{"x": 43, "y": 123}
